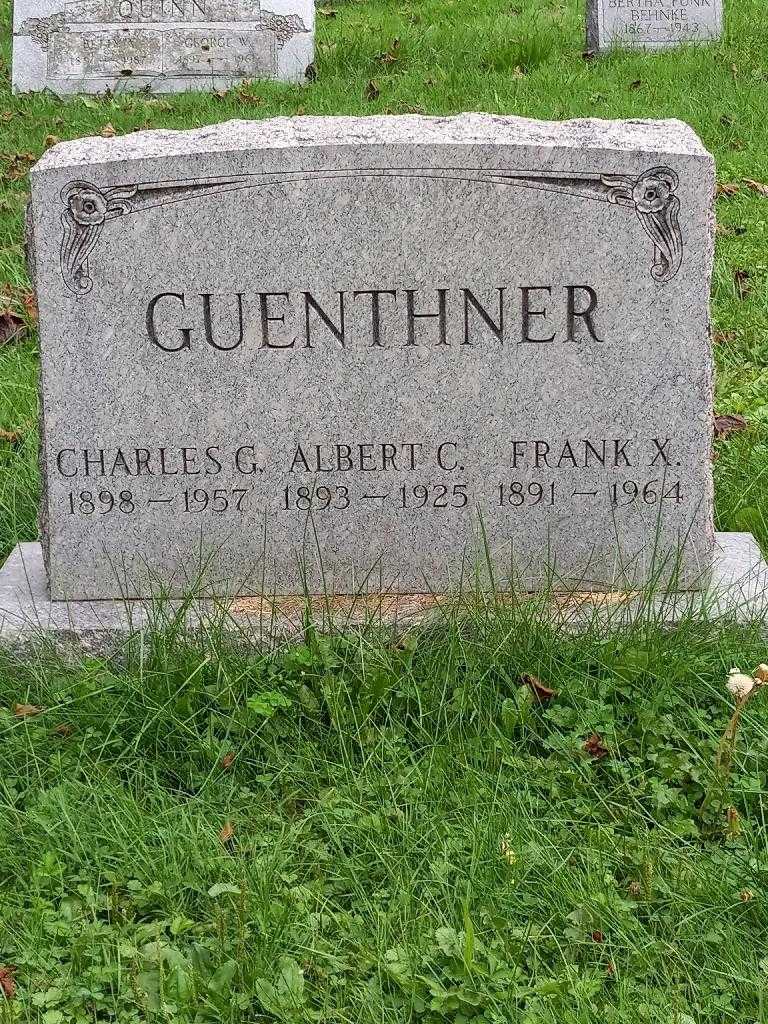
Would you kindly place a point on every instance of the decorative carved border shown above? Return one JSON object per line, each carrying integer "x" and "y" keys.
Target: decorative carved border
{"x": 283, "y": 26}
{"x": 88, "y": 208}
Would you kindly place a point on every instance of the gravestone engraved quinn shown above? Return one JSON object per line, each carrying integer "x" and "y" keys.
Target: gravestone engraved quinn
{"x": 652, "y": 24}
{"x": 73, "y": 46}
{"x": 365, "y": 336}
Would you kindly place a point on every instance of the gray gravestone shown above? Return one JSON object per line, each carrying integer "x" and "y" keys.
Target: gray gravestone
{"x": 652, "y": 24}
{"x": 72, "y": 46}
{"x": 403, "y": 325}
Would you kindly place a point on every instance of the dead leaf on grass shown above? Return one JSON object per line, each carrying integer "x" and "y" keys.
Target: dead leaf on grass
{"x": 732, "y": 823}
{"x": 7, "y": 981}
{"x": 30, "y": 305}
{"x": 539, "y": 689}
{"x": 17, "y": 165}
{"x": 757, "y": 186}
{"x": 249, "y": 98}
{"x": 26, "y": 710}
{"x": 729, "y": 424}
{"x": 227, "y": 833}
{"x": 11, "y": 327}
{"x": 595, "y": 747}
{"x": 391, "y": 55}
{"x": 723, "y": 337}
{"x": 741, "y": 278}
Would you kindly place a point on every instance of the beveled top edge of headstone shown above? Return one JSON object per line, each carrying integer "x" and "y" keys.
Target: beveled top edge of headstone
{"x": 664, "y": 136}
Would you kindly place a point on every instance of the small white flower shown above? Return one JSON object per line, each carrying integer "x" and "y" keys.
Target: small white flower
{"x": 739, "y": 683}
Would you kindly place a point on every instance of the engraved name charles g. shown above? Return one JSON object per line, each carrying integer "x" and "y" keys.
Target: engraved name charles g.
{"x": 305, "y": 456}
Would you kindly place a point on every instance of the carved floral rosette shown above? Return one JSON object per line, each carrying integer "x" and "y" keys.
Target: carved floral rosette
{"x": 658, "y": 208}
{"x": 652, "y": 195}
{"x": 87, "y": 209}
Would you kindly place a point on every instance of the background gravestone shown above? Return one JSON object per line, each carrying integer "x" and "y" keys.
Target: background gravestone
{"x": 72, "y": 46}
{"x": 652, "y": 24}
{"x": 399, "y": 325}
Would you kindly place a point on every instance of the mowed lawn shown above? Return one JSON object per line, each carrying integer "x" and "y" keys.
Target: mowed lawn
{"x": 360, "y": 829}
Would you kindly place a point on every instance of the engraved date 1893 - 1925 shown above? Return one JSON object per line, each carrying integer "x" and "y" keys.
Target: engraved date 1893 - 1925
{"x": 426, "y": 496}
{"x": 404, "y": 477}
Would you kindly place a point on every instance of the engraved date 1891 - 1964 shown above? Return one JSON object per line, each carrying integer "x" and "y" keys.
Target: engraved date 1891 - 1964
{"x": 403, "y": 477}
{"x": 628, "y": 492}
{"x": 434, "y": 496}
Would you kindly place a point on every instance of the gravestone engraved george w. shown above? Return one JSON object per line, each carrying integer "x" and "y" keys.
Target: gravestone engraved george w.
{"x": 72, "y": 46}
{"x": 363, "y": 337}
{"x": 652, "y": 24}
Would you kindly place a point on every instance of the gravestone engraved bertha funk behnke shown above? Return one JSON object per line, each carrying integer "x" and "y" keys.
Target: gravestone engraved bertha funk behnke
{"x": 365, "y": 336}
{"x": 652, "y": 24}
{"x": 164, "y": 45}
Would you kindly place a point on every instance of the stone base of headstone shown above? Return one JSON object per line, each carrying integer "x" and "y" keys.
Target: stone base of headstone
{"x": 737, "y": 591}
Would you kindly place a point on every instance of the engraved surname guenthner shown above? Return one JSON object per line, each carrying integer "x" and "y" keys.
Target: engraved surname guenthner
{"x": 532, "y": 314}
{"x": 651, "y": 195}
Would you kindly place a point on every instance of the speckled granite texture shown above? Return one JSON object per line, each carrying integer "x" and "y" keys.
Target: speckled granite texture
{"x": 404, "y": 343}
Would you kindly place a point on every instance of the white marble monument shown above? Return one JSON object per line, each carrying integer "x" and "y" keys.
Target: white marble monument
{"x": 87, "y": 46}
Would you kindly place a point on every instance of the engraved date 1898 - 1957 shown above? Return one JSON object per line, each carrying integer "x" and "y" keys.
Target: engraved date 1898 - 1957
{"x": 436, "y": 496}
{"x": 395, "y": 477}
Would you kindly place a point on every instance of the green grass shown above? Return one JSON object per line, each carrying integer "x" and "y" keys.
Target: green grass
{"x": 415, "y": 838}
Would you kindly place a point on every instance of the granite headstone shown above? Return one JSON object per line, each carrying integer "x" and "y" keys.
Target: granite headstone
{"x": 652, "y": 24}
{"x": 82, "y": 46}
{"x": 350, "y": 353}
